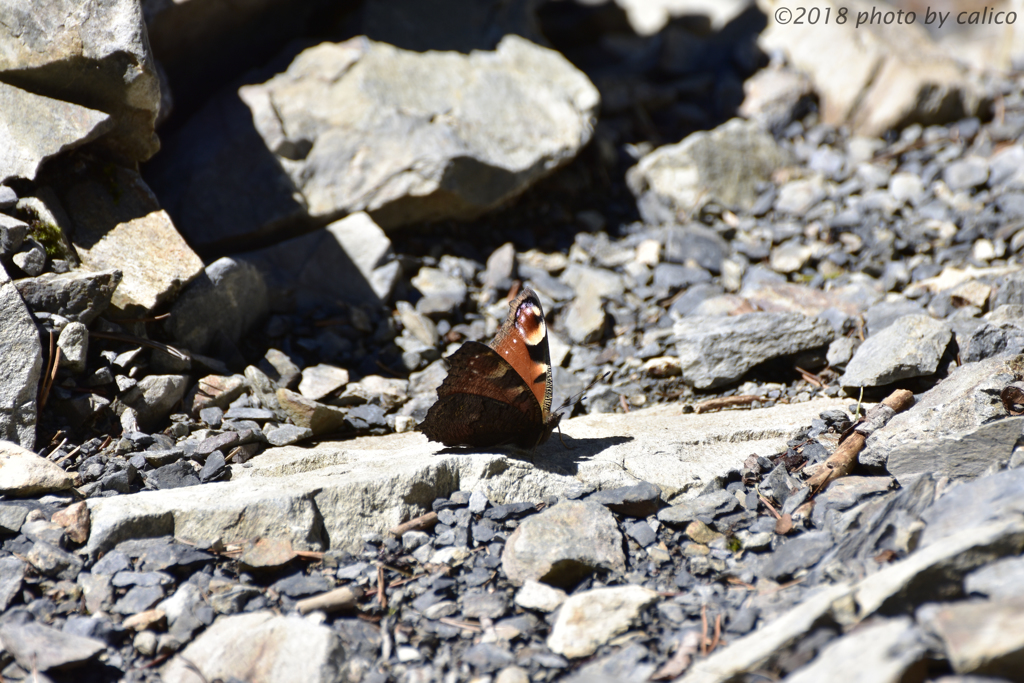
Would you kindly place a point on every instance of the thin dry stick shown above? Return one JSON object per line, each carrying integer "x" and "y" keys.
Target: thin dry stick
{"x": 421, "y": 523}
{"x": 718, "y": 633}
{"x": 809, "y": 377}
{"x": 726, "y": 402}
{"x": 69, "y": 455}
{"x": 842, "y": 462}
{"x": 50, "y": 379}
{"x": 771, "y": 508}
{"x": 337, "y": 599}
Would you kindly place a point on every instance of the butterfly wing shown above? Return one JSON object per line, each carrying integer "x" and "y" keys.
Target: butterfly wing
{"x": 484, "y": 402}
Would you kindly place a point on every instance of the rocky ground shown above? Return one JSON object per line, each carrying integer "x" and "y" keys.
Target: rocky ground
{"x": 213, "y": 367}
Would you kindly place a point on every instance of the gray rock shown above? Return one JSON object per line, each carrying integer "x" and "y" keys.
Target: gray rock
{"x": 712, "y": 504}
{"x": 8, "y": 198}
{"x": 158, "y": 394}
{"x": 426, "y": 159}
{"x": 214, "y": 469}
{"x": 998, "y": 580}
{"x": 48, "y": 532}
{"x": 900, "y": 78}
{"x": 288, "y": 434}
{"x": 49, "y": 560}
{"x": 185, "y": 611}
{"x": 97, "y": 592}
{"x": 965, "y": 454}
{"x": 884, "y": 313}
{"x": 39, "y": 127}
{"x": 228, "y": 299}
{"x": 138, "y": 599}
{"x": 12, "y": 574}
{"x": 797, "y": 553}
{"x": 12, "y": 231}
{"x": 21, "y": 364}
{"x": 935, "y": 571}
{"x": 980, "y": 636}
{"x": 845, "y": 492}
{"x": 443, "y": 292}
{"x": 176, "y": 475}
{"x": 87, "y": 61}
{"x": 487, "y": 657}
{"x": 797, "y": 197}
{"x": 990, "y": 340}
{"x": 335, "y": 492}
{"x": 991, "y": 500}
{"x": 588, "y": 620}
{"x": 715, "y": 351}
{"x": 723, "y": 165}
{"x": 32, "y": 258}
{"x": 318, "y": 270}
{"x": 23, "y": 473}
{"x": 313, "y": 415}
{"x": 1009, "y": 289}
{"x": 289, "y": 649}
{"x": 539, "y": 596}
{"x": 883, "y": 651}
{"x": 791, "y": 256}
{"x": 500, "y": 269}
{"x": 105, "y": 226}
{"x": 73, "y": 342}
{"x": 427, "y": 148}
{"x": 910, "y": 347}
{"x": 112, "y": 563}
{"x": 40, "y": 648}
{"x": 639, "y": 500}
{"x": 697, "y": 243}
{"x": 841, "y": 350}
{"x": 642, "y": 533}
{"x": 906, "y": 187}
{"x": 585, "y": 319}
{"x": 12, "y": 515}
{"x": 370, "y": 251}
{"x": 966, "y": 174}
{"x": 752, "y": 651}
{"x": 80, "y": 296}
{"x": 672, "y": 276}
{"x": 563, "y": 544}
{"x": 480, "y": 603}
{"x": 968, "y": 398}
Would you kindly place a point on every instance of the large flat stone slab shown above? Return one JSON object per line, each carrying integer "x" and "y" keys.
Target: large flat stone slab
{"x": 328, "y": 496}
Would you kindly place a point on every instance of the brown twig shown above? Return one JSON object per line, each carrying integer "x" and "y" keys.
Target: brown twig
{"x": 842, "y": 462}
{"x": 771, "y": 508}
{"x": 623, "y": 404}
{"x": 421, "y": 523}
{"x": 142, "y": 341}
{"x": 680, "y": 661}
{"x": 72, "y": 453}
{"x": 460, "y": 624}
{"x": 382, "y": 596}
{"x": 337, "y": 599}
{"x": 809, "y": 377}
{"x": 51, "y": 372}
{"x": 726, "y": 402}
{"x": 718, "y": 633}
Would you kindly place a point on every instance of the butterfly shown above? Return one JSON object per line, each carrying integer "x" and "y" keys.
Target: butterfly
{"x": 500, "y": 393}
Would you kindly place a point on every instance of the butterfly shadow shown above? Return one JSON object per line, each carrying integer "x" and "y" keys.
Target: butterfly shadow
{"x": 556, "y": 456}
